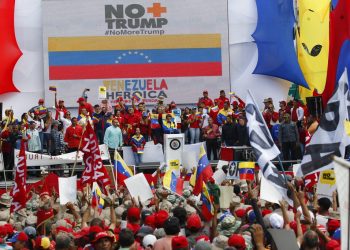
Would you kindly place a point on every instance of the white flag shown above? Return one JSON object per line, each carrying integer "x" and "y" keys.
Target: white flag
{"x": 330, "y": 138}
{"x": 342, "y": 175}
{"x": 264, "y": 148}
{"x": 259, "y": 134}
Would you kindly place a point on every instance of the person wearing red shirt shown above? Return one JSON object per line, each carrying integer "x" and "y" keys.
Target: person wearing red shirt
{"x": 85, "y": 105}
{"x": 118, "y": 115}
{"x": 194, "y": 121}
{"x": 206, "y": 100}
{"x": 222, "y": 99}
{"x": 131, "y": 121}
{"x": 270, "y": 116}
{"x": 213, "y": 113}
{"x": 145, "y": 126}
{"x": 73, "y": 135}
{"x": 59, "y": 107}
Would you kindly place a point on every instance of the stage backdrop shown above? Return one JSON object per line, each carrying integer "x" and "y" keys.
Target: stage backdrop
{"x": 173, "y": 49}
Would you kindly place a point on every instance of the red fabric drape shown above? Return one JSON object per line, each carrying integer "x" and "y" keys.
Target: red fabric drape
{"x": 338, "y": 33}
{"x": 9, "y": 50}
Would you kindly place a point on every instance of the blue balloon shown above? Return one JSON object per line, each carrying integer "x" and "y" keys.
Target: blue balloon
{"x": 275, "y": 41}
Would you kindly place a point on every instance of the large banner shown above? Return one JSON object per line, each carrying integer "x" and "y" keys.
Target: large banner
{"x": 173, "y": 49}
{"x": 35, "y": 159}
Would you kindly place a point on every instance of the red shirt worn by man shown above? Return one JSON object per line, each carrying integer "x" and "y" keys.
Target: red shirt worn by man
{"x": 73, "y": 135}
{"x": 206, "y": 100}
{"x": 222, "y": 99}
{"x": 85, "y": 105}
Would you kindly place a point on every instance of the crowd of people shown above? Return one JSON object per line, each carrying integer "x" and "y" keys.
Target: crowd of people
{"x": 219, "y": 123}
{"x": 167, "y": 221}
{"x": 171, "y": 222}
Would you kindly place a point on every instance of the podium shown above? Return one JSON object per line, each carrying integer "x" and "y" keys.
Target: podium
{"x": 173, "y": 147}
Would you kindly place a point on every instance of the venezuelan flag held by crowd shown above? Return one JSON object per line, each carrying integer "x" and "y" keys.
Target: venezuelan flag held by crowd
{"x": 202, "y": 173}
{"x": 97, "y": 200}
{"x": 172, "y": 182}
{"x": 122, "y": 170}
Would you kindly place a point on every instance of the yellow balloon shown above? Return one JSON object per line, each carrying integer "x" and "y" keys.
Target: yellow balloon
{"x": 313, "y": 43}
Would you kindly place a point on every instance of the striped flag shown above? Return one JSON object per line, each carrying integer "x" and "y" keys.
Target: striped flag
{"x": 122, "y": 170}
{"x": 173, "y": 183}
{"x": 100, "y": 57}
{"x": 152, "y": 187}
{"x": 207, "y": 203}
{"x": 97, "y": 200}
{"x": 246, "y": 170}
{"x": 53, "y": 88}
{"x": 202, "y": 173}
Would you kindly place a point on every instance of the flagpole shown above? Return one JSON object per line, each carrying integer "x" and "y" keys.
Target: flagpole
{"x": 77, "y": 154}
{"x": 112, "y": 166}
{"x": 281, "y": 165}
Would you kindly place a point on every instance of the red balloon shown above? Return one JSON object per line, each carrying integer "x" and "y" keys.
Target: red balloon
{"x": 339, "y": 32}
{"x": 9, "y": 50}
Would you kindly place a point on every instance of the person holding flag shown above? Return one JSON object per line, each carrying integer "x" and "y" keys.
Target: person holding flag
{"x": 122, "y": 170}
{"x": 203, "y": 172}
{"x": 173, "y": 183}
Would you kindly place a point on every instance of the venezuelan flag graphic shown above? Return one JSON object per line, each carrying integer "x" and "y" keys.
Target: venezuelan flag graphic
{"x": 246, "y": 170}
{"x": 101, "y": 57}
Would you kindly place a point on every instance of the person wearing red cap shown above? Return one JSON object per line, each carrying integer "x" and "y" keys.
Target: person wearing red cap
{"x": 205, "y": 100}
{"x": 59, "y": 107}
{"x": 133, "y": 219}
{"x": 194, "y": 226}
{"x": 222, "y": 99}
{"x": 19, "y": 241}
{"x": 40, "y": 110}
{"x": 83, "y": 104}
{"x": 237, "y": 241}
{"x": 179, "y": 243}
{"x": 103, "y": 241}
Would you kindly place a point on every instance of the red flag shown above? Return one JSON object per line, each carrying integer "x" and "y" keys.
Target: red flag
{"x": 9, "y": 50}
{"x": 19, "y": 192}
{"x": 94, "y": 168}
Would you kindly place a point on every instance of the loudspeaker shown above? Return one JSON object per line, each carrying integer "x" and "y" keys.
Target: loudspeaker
{"x": 314, "y": 105}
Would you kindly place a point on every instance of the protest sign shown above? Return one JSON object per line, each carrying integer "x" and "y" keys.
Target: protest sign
{"x": 233, "y": 170}
{"x": 226, "y": 194}
{"x": 102, "y": 92}
{"x": 189, "y": 160}
{"x": 35, "y": 159}
{"x": 268, "y": 192}
{"x": 151, "y": 153}
{"x": 67, "y": 189}
{"x": 139, "y": 187}
{"x": 326, "y": 184}
{"x": 174, "y": 165}
{"x": 219, "y": 176}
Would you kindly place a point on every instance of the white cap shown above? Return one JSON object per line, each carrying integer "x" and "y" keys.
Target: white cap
{"x": 276, "y": 221}
{"x": 149, "y": 239}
